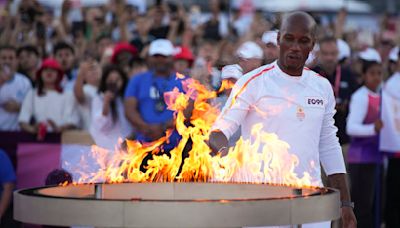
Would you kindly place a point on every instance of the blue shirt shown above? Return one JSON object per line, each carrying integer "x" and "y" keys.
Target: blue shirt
{"x": 7, "y": 173}
{"x": 148, "y": 90}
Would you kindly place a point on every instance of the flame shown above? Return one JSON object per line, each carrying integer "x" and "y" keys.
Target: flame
{"x": 226, "y": 85}
{"x": 263, "y": 159}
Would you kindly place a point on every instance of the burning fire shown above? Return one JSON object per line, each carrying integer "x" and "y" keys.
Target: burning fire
{"x": 265, "y": 159}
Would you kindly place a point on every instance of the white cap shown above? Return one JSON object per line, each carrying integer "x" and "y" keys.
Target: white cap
{"x": 394, "y": 54}
{"x": 161, "y": 47}
{"x": 370, "y": 54}
{"x": 231, "y": 71}
{"x": 250, "y": 50}
{"x": 344, "y": 49}
{"x": 270, "y": 37}
{"x": 312, "y": 55}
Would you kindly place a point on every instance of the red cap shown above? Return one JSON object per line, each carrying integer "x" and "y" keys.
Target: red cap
{"x": 184, "y": 53}
{"x": 123, "y": 46}
{"x": 52, "y": 64}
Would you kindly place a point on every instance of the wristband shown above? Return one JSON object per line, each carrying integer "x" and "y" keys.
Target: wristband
{"x": 347, "y": 204}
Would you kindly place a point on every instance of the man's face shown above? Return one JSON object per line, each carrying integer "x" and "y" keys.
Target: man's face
{"x": 271, "y": 52}
{"x": 66, "y": 59}
{"x": 9, "y": 57}
{"x": 295, "y": 41}
{"x": 28, "y": 60}
{"x": 328, "y": 55}
{"x": 161, "y": 64}
{"x": 102, "y": 45}
{"x": 124, "y": 58}
{"x": 181, "y": 65}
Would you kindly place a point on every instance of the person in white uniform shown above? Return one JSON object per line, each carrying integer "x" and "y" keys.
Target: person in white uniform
{"x": 293, "y": 102}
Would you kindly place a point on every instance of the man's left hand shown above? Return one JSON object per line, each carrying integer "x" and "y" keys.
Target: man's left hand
{"x": 348, "y": 218}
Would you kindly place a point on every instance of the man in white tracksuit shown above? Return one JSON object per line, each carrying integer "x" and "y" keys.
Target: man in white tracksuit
{"x": 293, "y": 102}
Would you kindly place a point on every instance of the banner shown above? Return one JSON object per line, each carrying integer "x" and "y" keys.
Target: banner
{"x": 33, "y": 160}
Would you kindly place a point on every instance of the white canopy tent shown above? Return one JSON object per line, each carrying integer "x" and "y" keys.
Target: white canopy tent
{"x": 352, "y": 6}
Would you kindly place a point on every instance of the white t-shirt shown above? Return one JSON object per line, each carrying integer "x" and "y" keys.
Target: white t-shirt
{"x": 390, "y": 133}
{"x": 103, "y": 130}
{"x": 84, "y": 109}
{"x": 15, "y": 89}
{"x": 59, "y": 107}
{"x": 298, "y": 109}
{"x": 358, "y": 111}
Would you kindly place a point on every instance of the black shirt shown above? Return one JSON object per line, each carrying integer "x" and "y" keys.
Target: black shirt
{"x": 343, "y": 90}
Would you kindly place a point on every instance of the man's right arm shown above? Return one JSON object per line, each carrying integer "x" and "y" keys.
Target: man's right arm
{"x": 232, "y": 115}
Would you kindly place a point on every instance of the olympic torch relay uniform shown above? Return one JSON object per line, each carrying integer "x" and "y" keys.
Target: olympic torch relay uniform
{"x": 298, "y": 109}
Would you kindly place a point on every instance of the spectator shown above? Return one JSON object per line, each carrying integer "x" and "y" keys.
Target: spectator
{"x": 341, "y": 79}
{"x": 270, "y": 48}
{"x": 364, "y": 157}
{"x": 145, "y": 107}
{"x": 102, "y": 43}
{"x": 138, "y": 65}
{"x": 13, "y": 88}
{"x": 391, "y": 132}
{"x": 127, "y": 13}
{"x": 344, "y": 52}
{"x": 207, "y": 54}
{"x": 250, "y": 56}
{"x": 37, "y": 113}
{"x": 216, "y": 27}
{"x": 229, "y": 73}
{"x": 29, "y": 60}
{"x": 179, "y": 32}
{"x": 393, "y": 57}
{"x": 141, "y": 37}
{"x": 108, "y": 117}
{"x": 95, "y": 23}
{"x": 65, "y": 55}
{"x": 7, "y": 185}
{"x": 240, "y": 22}
{"x": 159, "y": 28}
{"x": 183, "y": 60}
{"x": 85, "y": 89}
{"x": 123, "y": 56}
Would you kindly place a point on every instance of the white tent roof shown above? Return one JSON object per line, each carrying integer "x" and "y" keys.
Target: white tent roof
{"x": 309, "y": 5}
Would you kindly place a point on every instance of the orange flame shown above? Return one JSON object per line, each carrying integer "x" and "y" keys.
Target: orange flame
{"x": 264, "y": 159}
{"x": 226, "y": 85}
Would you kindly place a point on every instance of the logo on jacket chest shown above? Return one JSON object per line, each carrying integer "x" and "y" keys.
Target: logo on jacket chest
{"x": 314, "y": 102}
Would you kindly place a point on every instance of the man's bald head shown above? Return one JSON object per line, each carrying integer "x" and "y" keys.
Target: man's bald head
{"x": 296, "y": 39}
{"x": 299, "y": 18}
